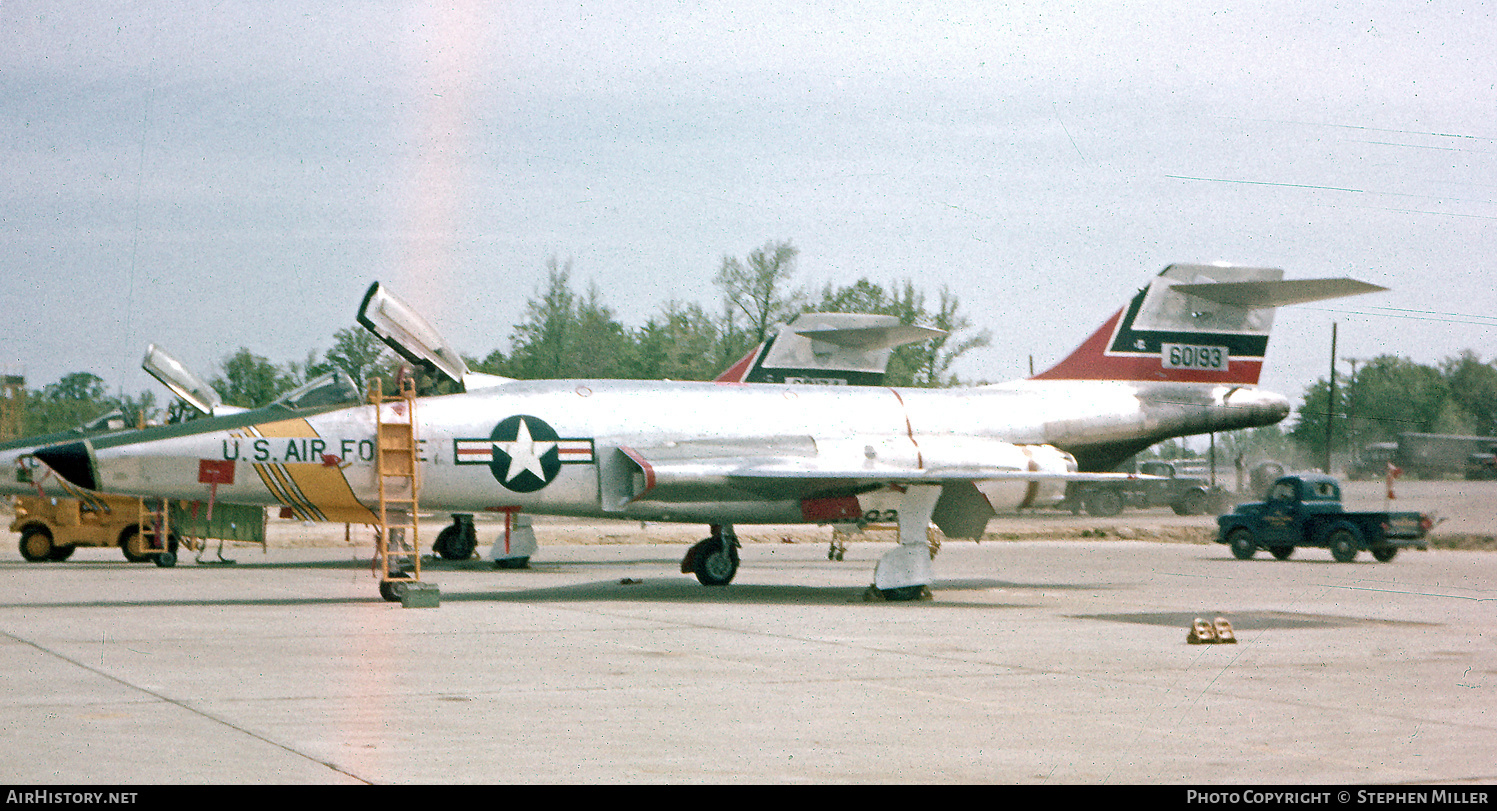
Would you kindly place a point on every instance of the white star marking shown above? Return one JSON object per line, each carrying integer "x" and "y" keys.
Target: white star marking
{"x": 524, "y": 454}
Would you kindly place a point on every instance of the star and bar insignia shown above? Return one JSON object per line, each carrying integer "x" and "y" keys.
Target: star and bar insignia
{"x": 523, "y": 452}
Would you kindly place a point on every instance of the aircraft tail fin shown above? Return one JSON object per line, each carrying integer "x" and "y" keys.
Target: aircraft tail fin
{"x": 1196, "y": 324}
{"x": 843, "y": 349}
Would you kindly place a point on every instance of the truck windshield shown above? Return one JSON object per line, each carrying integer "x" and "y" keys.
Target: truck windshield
{"x": 1326, "y": 491}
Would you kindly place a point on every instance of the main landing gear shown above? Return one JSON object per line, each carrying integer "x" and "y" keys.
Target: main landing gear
{"x": 905, "y": 574}
{"x": 902, "y": 574}
{"x": 713, "y": 560}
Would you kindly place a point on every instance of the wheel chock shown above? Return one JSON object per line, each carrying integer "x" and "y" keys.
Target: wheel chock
{"x": 1224, "y": 633}
{"x": 420, "y": 595}
{"x": 1217, "y": 632}
{"x": 1201, "y": 633}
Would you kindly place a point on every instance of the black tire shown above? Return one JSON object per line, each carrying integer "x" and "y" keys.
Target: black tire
{"x": 167, "y": 559}
{"x": 1103, "y": 503}
{"x": 133, "y": 545}
{"x": 456, "y": 542}
{"x": 393, "y": 590}
{"x": 1383, "y": 554}
{"x": 1281, "y": 552}
{"x": 1345, "y": 541}
{"x": 713, "y": 565}
{"x": 61, "y": 553}
{"x": 36, "y": 544}
{"x": 512, "y": 563}
{"x": 904, "y": 594}
{"x": 1243, "y": 544}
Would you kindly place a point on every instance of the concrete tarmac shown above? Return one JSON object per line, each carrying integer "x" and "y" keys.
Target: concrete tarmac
{"x": 1037, "y": 661}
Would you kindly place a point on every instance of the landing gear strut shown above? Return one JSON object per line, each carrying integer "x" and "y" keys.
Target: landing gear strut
{"x": 904, "y": 573}
{"x": 713, "y": 560}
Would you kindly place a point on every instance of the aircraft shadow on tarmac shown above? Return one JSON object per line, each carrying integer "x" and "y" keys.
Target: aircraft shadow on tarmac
{"x": 687, "y": 591}
{"x": 672, "y": 589}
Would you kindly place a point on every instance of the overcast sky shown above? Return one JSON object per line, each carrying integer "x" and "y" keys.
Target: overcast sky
{"x": 207, "y": 177}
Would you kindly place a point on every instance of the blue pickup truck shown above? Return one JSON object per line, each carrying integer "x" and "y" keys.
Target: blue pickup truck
{"x": 1305, "y": 510}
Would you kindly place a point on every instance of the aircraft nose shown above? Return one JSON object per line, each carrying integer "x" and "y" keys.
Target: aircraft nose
{"x": 73, "y": 461}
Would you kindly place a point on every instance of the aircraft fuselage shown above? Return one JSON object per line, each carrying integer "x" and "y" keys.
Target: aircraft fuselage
{"x": 673, "y": 451}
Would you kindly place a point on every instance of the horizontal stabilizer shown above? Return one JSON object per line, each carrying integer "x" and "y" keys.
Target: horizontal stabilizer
{"x": 1277, "y": 293}
{"x": 850, "y": 349}
{"x": 871, "y": 339}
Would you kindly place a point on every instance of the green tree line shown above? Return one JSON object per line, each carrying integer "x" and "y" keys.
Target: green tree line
{"x": 1388, "y": 395}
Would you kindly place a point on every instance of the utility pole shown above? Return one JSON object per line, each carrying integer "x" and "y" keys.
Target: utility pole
{"x": 1351, "y": 408}
{"x": 1330, "y": 406}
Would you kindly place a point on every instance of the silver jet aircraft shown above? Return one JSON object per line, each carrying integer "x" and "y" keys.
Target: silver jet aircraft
{"x": 1181, "y": 358}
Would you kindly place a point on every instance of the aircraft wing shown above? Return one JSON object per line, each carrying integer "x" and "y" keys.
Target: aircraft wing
{"x": 688, "y": 472}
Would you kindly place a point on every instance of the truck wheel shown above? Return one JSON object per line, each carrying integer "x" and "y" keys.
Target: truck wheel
{"x": 1281, "y": 552}
{"x": 61, "y": 553}
{"x": 1103, "y": 503}
{"x": 36, "y": 544}
{"x": 1384, "y": 553}
{"x": 1243, "y": 544}
{"x": 133, "y": 544}
{"x": 1345, "y": 541}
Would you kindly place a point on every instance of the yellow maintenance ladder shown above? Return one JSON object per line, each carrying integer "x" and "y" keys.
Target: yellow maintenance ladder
{"x": 398, "y": 553}
{"x": 154, "y": 539}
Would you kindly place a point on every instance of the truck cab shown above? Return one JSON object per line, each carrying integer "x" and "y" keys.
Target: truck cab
{"x": 1306, "y": 510}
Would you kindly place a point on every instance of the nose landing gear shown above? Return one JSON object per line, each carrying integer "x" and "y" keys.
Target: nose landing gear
{"x": 713, "y": 560}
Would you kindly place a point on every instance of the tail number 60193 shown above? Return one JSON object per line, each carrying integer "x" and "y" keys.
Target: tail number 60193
{"x": 1186, "y": 356}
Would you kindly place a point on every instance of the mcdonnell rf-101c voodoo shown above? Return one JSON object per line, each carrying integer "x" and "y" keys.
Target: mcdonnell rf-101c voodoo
{"x": 1181, "y": 358}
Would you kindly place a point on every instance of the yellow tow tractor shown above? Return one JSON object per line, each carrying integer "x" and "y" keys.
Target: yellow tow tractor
{"x": 52, "y": 527}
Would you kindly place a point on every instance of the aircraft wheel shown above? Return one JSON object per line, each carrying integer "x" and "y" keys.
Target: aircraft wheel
{"x": 61, "y": 553}
{"x": 453, "y": 543}
{"x": 1281, "y": 552}
{"x": 1345, "y": 541}
{"x": 713, "y": 565}
{"x": 1384, "y": 553}
{"x": 512, "y": 563}
{"x": 905, "y": 594}
{"x": 393, "y": 590}
{"x": 1103, "y": 503}
{"x": 1243, "y": 544}
{"x": 36, "y": 544}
